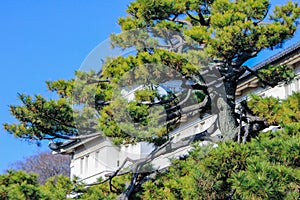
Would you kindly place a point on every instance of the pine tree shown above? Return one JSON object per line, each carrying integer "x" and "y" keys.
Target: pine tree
{"x": 170, "y": 39}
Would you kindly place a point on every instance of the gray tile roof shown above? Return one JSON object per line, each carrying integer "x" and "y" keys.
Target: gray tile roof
{"x": 275, "y": 58}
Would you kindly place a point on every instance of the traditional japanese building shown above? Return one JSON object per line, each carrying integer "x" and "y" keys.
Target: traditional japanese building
{"x": 96, "y": 157}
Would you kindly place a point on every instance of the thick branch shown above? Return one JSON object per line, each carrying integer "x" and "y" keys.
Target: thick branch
{"x": 189, "y": 24}
{"x": 244, "y": 57}
{"x": 79, "y": 137}
{"x": 90, "y": 81}
{"x": 202, "y": 20}
{"x": 254, "y": 124}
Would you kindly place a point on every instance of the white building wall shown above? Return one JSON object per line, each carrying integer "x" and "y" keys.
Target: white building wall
{"x": 94, "y": 159}
{"x": 281, "y": 91}
{"x": 99, "y": 157}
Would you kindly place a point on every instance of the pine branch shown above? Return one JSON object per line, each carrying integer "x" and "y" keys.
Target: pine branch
{"x": 255, "y": 73}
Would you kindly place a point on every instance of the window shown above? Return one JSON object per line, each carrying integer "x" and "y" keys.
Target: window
{"x": 287, "y": 89}
{"x": 297, "y": 84}
{"x": 81, "y": 165}
{"x": 96, "y": 159}
{"x": 86, "y": 163}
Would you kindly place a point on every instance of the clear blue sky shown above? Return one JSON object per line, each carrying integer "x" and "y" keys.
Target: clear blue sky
{"x": 48, "y": 40}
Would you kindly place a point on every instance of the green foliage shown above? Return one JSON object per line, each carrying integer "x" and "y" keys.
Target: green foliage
{"x": 19, "y": 185}
{"x": 57, "y": 187}
{"x": 267, "y": 167}
{"x": 146, "y": 95}
{"x": 199, "y": 96}
{"x": 145, "y": 68}
{"x": 62, "y": 87}
{"x": 275, "y": 74}
{"x": 231, "y": 31}
{"x": 41, "y": 119}
{"x": 103, "y": 191}
{"x": 283, "y": 112}
{"x": 130, "y": 122}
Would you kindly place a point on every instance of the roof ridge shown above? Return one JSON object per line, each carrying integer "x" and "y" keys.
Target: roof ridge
{"x": 273, "y": 58}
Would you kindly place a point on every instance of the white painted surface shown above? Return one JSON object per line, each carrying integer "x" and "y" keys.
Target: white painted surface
{"x": 98, "y": 157}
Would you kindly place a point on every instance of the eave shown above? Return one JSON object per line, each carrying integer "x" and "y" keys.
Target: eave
{"x": 289, "y": 56}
